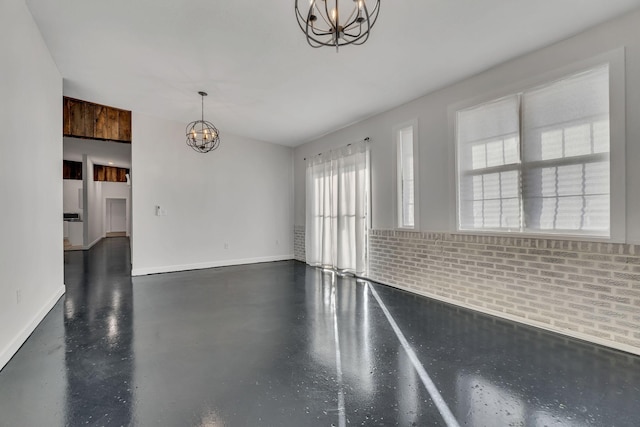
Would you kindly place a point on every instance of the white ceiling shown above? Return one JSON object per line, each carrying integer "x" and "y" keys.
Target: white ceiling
{"x": 100, "y": 152}
{"x": 264, "y": 81}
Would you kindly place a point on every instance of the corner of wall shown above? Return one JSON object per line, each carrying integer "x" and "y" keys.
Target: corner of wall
{"x": 12, "y": 347}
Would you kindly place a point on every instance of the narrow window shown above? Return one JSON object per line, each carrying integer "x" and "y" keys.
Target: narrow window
{"x": 406, "y": 191}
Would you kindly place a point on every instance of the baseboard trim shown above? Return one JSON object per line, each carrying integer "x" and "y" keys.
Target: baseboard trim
{"x": 13, "y": 347}
{"x": 524, "y": 321}
{"x": 210, "y": 264}
{"x": 90, "y": 245}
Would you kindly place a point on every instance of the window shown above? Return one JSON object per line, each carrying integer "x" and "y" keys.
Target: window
{"x": 538, "y": 161}
{"x": 406, "y": 179}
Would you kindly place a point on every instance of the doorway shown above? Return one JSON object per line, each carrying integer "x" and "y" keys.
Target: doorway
{"x": 116, "y": 217}
{"x": 103, "y": 171}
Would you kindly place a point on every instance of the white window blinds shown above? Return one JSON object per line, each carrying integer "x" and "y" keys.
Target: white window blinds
{"x": 538, "y": 161}
{"x": 489, "y": 166}
{"x": 566, "y": 154}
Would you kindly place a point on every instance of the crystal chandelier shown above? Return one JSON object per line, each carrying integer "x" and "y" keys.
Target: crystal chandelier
{"x": 335, "y": 23}
{"x": 202, "y": 135}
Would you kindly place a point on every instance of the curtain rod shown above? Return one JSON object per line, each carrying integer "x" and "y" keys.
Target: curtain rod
{"x": 366, "y": 139}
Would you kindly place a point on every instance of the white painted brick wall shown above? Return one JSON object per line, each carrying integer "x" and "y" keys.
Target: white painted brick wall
{"x": 590, "y": 290}
{"x": 299, "y": 243}
{"x": 586, "y": 289}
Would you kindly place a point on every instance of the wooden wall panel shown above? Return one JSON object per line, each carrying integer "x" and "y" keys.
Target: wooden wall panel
{"x": 88, "y": 120}
{"x": 112, "y": 123}
{"x": 99, "y": 173}
{"x": 124, "y": 123}
{"x": 100, "y": 121}
{"x": 109, "y": 173}
{"x": 66, "y": 116}
{"x": 71, "y": 170}
{"x": 112, "y": 174}
{"x": 94, "y": 121}
{"x": 122, "y": 175}
{"x": 76, "y": 112}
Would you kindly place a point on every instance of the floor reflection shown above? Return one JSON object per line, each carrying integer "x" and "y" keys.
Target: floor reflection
{"x": 380, "y": 385}
{"x": 284, "y": 344}
{"x": 490, "y": 371}
{"x": 98, "y": 324}
{"x": 495, "y": 372}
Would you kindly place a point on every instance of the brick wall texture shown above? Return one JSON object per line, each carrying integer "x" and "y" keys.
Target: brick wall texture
{"x": 298, "y": 243}
{"x": 586, "y": 289}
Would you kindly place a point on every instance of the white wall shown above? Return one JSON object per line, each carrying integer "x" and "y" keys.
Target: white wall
{"x": 71, "y": 199}
{"x": 436, "y": 162}
{"x": 31, "y": 261}
{"x": 239, "y": 195}
{"x": 94, "y": 206}
{"x": 96, "y": 194}
{"x": 116, "y": 190}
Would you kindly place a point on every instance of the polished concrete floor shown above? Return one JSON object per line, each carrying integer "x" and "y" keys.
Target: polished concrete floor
{"x": 282, "y": 344}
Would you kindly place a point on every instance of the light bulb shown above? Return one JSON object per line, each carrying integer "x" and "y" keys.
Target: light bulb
{"x": 334, "y": 14}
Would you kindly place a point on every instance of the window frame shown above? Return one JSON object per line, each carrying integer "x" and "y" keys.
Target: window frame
{"x": 397, "y": 191}
{"x": 615, "y": 59}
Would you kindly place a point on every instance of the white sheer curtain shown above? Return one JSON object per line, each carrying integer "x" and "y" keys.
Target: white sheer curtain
{"x": 337, "y": 189}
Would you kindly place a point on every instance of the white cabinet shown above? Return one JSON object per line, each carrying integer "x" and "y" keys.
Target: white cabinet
{"x": 76, "y": 232}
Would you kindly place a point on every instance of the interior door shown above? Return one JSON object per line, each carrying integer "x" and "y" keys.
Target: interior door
{"x": 117, "y": 215}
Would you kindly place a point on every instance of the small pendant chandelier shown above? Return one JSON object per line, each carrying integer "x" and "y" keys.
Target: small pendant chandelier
{"x": 202, "y": 135}
{"x": 329, "y": 23}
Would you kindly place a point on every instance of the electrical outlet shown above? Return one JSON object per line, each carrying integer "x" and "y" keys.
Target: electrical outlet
{"x": 226, "y": 245}
{"x": 277, "y": 243}
{"x": 18, "y": 296}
